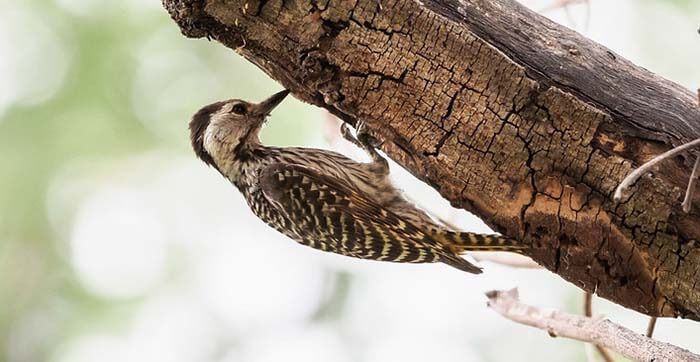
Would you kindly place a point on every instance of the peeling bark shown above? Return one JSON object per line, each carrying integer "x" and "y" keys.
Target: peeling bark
{"x": 508, "y": 115}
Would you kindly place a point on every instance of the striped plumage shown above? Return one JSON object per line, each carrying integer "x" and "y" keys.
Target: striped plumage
{"x": 323, "y": 199}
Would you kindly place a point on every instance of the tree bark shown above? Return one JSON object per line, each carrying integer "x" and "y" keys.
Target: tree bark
{"x": 519, "y": 120}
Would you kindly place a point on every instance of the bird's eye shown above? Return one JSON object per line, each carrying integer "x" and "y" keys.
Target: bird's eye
{"x": 238, "y": 109}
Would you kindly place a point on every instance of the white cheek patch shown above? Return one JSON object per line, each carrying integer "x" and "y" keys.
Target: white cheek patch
{"x": 208, "y": 139}
{"x": 219, "y": 134}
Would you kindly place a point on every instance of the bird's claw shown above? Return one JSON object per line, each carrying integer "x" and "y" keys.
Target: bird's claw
{"x": 365, "y": 138}
{"x": 345, "y": 132}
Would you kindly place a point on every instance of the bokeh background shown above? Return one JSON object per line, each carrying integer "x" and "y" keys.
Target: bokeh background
{"x": 116, "y": 244}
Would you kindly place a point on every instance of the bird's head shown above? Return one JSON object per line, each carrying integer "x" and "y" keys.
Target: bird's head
{"x": 231, "y": 124}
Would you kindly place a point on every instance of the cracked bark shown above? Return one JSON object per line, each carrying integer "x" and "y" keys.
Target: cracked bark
{"x": 508, "y": 115}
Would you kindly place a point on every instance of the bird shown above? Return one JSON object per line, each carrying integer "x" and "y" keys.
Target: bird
{"x": 323, "y": 199}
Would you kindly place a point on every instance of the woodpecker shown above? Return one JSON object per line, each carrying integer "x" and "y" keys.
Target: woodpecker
{"x": 323, "y": 199}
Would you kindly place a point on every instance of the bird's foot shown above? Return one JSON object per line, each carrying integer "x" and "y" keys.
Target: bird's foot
{"x": 347, "y": 134}
{"x": 365, "y": 138}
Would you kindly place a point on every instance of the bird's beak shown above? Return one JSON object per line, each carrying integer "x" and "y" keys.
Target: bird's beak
{"x": 265, "y": 107}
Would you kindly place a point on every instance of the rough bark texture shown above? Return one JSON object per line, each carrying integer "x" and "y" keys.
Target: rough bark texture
{"x": 510, "y": 116}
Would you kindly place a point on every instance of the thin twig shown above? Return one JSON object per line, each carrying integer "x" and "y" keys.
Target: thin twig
{"x": 558, "y": 4}
{"x": 651, "y": 326}
{"x": 688, "y": 200}
{"x": 508, "y": 259}
{"x": 588, "y": 16}
{"x": 569, "y": 16}
{"x": 599, "y": 331}
{"x": 588, "y": 311}
{"x": 588, "y": 304}
{"x": 636, "y": 174}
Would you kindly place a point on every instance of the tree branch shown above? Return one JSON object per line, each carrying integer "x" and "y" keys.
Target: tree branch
{"x": 514, "y": 118}
{"x": 598, "y": 331}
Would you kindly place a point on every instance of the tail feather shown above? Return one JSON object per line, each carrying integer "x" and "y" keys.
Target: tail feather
{"x": 466, "y": 241}
{"x": 457, "y": 262}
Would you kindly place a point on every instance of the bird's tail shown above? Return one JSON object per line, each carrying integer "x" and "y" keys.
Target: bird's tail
{"x": 466, "y": 241}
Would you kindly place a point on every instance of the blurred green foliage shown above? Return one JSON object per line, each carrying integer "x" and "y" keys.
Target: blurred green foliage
{"x": 92, "y": 116}
{"x": 683, "y": 4}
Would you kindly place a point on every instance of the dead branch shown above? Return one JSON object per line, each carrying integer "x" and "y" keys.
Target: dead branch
{"x": 598, "y": 331}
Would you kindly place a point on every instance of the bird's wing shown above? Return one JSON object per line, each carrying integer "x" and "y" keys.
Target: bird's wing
{"x": 349, "y": 221}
